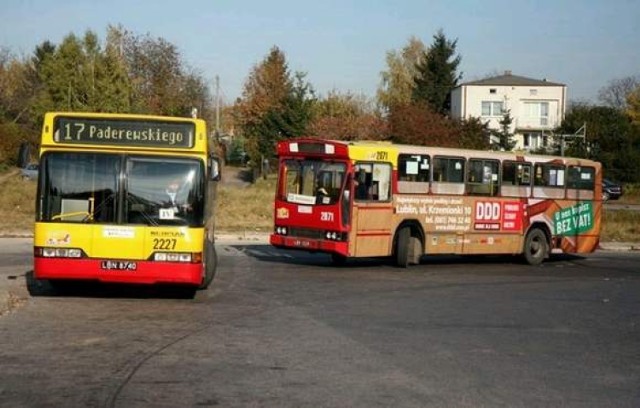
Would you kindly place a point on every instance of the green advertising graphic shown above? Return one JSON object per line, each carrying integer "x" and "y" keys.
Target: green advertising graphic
{"x": 574, "y": 220}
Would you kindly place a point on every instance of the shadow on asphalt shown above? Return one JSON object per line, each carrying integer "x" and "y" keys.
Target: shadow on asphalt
{"x": 283, "y": 256}
{"x": 92, "y": 289}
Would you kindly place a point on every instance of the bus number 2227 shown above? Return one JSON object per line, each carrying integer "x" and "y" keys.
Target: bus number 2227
{"x": 164, "y": 243}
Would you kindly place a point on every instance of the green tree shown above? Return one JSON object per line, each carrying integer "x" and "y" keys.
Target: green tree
{"x": 437, "y": 74}
{"x": 79, "y": 76}
{"x": 611, "y": 139}
{"x": 504, "y": 134}
{"x": 397, "y": 82}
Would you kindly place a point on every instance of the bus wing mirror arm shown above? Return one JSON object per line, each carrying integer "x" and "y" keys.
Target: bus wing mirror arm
{"x": 214, "y": 168}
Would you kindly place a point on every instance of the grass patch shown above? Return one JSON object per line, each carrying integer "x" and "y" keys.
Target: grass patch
{"x": 17, "y": 203}
{"x": 630, "y": 194}
{"x": 247, "y": 208}
{"x": 621, "y": 226}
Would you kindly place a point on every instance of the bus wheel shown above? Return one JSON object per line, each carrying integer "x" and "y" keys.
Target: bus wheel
{"x": 210, "y": 264}
{"x": 338, "y": 259}
{"x": 536, "y": 247}
{"x": 402, "y": 247}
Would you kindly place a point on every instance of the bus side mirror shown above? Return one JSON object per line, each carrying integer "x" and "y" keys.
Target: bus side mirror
{"x": 214, "y": 168}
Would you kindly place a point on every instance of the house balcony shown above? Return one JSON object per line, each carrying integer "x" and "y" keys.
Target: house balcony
{"x": 539, "y": 123}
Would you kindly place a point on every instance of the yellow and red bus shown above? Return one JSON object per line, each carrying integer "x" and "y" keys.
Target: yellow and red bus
{"x": 377, "y": 199}
{"x": 125, "y": 198}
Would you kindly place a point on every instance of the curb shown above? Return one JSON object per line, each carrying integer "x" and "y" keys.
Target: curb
{"x": 619, "y": 246}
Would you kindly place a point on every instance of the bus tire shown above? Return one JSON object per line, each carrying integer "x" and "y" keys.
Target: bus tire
{"x": 402, "y": 247}
{"x": 210, "y": 265}
{"x": 536, "y": 247}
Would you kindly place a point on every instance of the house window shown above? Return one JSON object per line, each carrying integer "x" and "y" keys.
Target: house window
{"x": 533, "y": 141}
{"x": 493, "y": 90}
{"x": 492, "y": 108}
{"x": 537, "y": 112}
{"x": 544, "y": 113}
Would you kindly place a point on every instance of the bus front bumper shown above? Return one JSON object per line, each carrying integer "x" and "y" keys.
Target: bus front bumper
{"x": 134, "y": 272}
{"x": 308, "y": 244}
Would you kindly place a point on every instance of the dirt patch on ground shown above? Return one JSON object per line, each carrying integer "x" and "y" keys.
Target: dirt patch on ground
{"x": 236, "y": 176}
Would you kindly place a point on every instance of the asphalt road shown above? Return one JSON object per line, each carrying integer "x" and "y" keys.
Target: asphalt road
{"x": 285, "y": 329}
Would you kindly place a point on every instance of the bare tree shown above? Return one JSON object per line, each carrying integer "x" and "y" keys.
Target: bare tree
{"x": 615, "y": 93}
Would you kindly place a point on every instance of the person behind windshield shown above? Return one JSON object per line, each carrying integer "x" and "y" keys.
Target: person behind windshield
{"x": 176, "y": 196}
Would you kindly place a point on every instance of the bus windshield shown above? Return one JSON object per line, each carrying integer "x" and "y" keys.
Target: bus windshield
{"x": 312, "y": 181}
{"x": 120, "y": 189}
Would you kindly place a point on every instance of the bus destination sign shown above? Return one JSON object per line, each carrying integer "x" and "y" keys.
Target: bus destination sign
{"x": 144, "y": 133}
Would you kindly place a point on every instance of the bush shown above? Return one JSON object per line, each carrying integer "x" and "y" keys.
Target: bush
{"x": 11, "y": 137}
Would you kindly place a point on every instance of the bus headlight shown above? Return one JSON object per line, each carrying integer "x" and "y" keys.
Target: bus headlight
{"x": 334, "y": 236}
{"x": 281, "y": 230}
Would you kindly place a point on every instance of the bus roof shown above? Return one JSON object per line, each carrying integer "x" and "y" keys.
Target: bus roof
{"x": 365, "y": 150}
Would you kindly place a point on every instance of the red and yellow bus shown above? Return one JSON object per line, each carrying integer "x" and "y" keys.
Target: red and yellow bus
{"x": 125, "y": 198}
{"x": 376, "y": 199}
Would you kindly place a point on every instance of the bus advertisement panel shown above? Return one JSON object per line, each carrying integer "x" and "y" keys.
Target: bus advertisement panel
{"x": 125, "y": 198}
{"x": 366, "y": 199}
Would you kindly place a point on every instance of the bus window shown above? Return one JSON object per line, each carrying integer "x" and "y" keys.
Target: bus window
{"x": 581, "y": 182}
{"x": 581, "y": 178}
{"x": 549, "y": 180}
{"x": 549, "y": 175}
{"x": 482, "y": 178}
{"x": 372, "y": 182}
{"x": 516, "y": 173}
{"x": 81, "y": 187}
{"x": 164, "y": 191}
{"x": 448, "y": 175}
{"x": 516, "y": 179}
{"x": 413, "y": 173}
{"x": 312, "y": 181}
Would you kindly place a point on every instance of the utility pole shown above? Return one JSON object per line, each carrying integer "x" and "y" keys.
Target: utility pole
{"x": 217, "y": 107}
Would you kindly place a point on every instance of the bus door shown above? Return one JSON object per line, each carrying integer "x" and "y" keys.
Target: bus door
{"x": 371, "y": 233}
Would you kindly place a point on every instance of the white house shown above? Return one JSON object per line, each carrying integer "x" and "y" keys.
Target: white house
{"x": 536, "y": 106}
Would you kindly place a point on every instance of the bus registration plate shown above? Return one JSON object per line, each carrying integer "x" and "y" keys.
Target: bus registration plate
{"x": 302, "y": 243}
{"x": 119, "y": 265}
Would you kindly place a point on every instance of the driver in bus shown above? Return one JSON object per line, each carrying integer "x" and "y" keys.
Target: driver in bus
{"x": 176, "y": 196}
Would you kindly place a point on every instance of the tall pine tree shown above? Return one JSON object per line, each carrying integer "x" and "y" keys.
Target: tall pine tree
{"x": 504, "y": 135}
{"x": 437, "y": 74}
